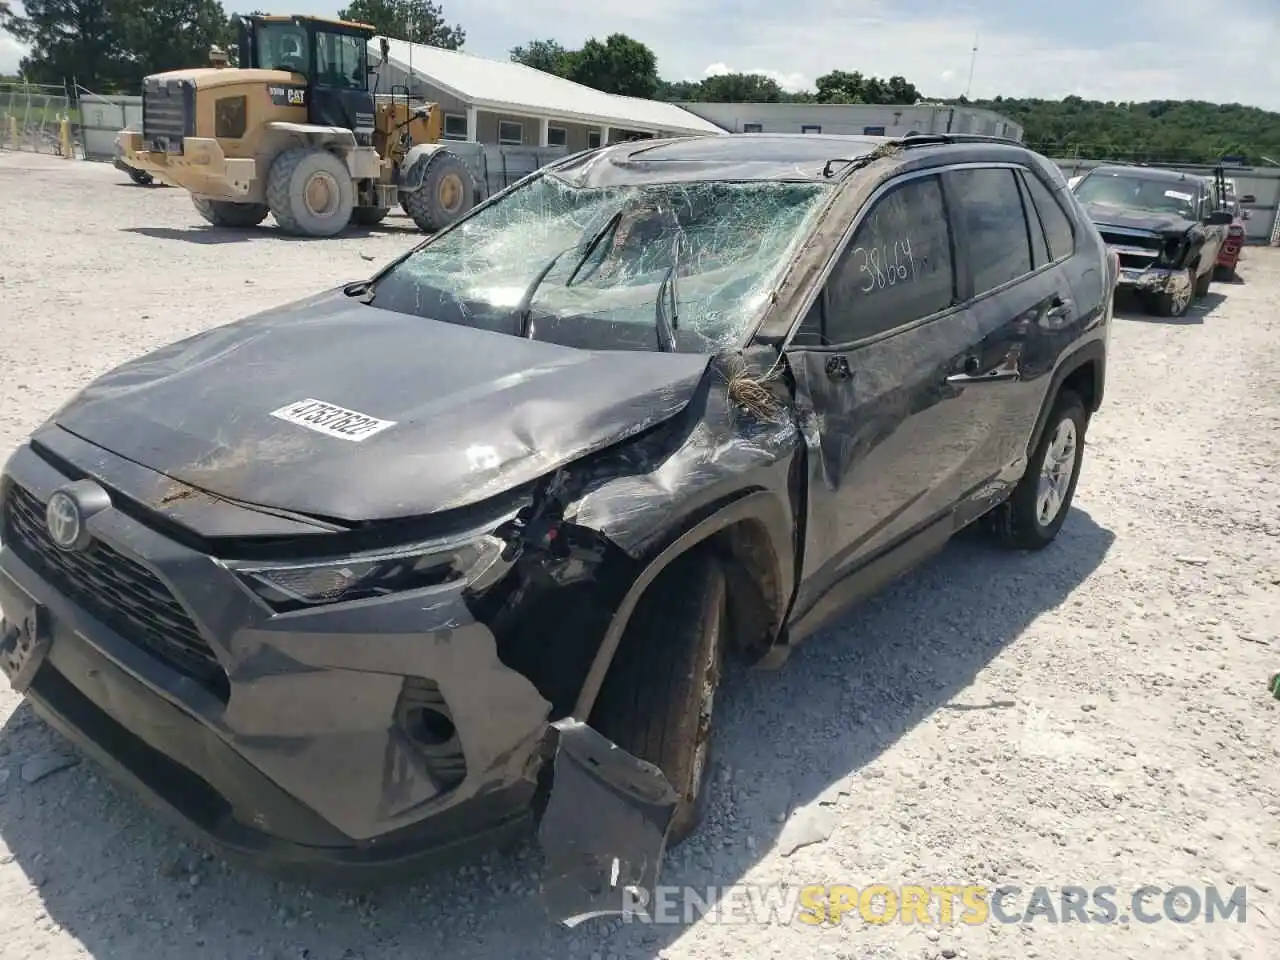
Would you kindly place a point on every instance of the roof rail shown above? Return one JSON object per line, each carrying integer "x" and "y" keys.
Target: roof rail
{"x": 924, "y": 139}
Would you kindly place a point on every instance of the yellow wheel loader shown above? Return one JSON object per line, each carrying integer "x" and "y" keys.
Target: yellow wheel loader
{"x": 295, "y": 131}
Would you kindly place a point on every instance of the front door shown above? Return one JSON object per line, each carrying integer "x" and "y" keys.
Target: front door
{"x": 885, "y": 426}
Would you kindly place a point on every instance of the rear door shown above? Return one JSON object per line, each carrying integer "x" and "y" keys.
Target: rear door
{"x": 1020, "y": 296}
{"x": 886, "y": 430}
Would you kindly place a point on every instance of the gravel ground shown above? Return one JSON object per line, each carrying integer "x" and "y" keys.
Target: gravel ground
{"x": 1095, "y": 714}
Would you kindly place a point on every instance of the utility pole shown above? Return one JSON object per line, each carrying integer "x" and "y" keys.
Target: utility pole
{"x": 973, "y": 61}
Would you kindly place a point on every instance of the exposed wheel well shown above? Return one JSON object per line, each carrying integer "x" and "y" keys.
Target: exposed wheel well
{"x": 755, "y": 602}
{"x": 1083, "y": 382}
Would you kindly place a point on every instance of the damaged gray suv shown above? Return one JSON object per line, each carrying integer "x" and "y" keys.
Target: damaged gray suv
{"x": 410, "y": 565}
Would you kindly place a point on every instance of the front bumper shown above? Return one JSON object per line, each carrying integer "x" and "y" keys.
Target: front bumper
{"x": 1151, "y": 279}
{"x": 300, "y": 754}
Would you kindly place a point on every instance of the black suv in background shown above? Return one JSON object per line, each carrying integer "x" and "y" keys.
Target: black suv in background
{"x": 1167, "y": 228}
{"x": 366, "y": 578}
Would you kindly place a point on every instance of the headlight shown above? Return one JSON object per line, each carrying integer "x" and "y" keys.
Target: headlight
{"x": 294, "y": 586}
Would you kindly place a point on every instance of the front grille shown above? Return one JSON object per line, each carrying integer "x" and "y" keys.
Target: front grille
{"x": 168, "y": 113}
{"x": 123, "y": 594}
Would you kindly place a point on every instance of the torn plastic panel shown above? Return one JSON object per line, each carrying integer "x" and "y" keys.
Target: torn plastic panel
{"x": 604, "y": 830}
{"x": 739, "y": 433}
{"x": 611, "y": 246}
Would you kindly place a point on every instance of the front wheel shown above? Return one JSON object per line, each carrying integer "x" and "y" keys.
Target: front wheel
{"x": 310, "y": 192}
{"x": 657, "y": 698}
{"x": 1203, "y": 281}
{"x": 1032, "y": 516}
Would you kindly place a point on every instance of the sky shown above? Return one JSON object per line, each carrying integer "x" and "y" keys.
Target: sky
{"x": 1096, "y": 49}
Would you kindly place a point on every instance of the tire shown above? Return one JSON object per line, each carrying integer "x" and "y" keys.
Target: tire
{"x": 1021, "y": 522}
{"x": 1173, "y": 304}
{"x": 653, "y": 697}
{"x": 1203, "y": 281}
{"x": 141, "y": 178}
{"x": 324, "y": 213}
{"x": 223, "y": 213}
{"x": 448, "y": 192}
{"x": 369, "y": 216}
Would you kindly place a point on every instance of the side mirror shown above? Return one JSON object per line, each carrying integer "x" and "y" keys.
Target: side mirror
{"x": 1219, "y": 218}
{"x": 1248, "y": 198}
{"x": 1246, "y": 215}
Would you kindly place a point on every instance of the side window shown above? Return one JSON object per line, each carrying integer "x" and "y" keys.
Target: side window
{"x": 1039, "y": 247}
{"x": 990, "y": 208}
{"x": 896, "y": 269}
{"x": 1057, "y": 225}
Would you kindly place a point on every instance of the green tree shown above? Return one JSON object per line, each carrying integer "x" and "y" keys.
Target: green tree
{"x": 158, "y": 35}
{"x": 618, "y": 65}
{"x": 740, "y": 88}
{"x": 68, "y": 38}
{"x": 1158, "y": 131}
{"x": 841, "y": 87}
{"x": 545, "y": 55}
{"x": 418, "y": 21}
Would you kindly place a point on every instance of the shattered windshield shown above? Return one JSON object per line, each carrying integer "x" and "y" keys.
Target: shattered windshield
{"x": 1136, "y": 193}
{"x": 588, "y": 265}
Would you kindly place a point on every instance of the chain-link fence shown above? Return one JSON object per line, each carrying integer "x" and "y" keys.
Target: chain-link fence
{"x": 31, "y": 116}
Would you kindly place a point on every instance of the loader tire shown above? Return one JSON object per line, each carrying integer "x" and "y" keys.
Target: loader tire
{"x": 369, "y": 216}
{"x": 224, "y": 213}
{"x": 448, "y": 192}
{"x": 310, "y": 192}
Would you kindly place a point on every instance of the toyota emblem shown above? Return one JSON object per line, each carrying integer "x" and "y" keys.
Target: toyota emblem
{"x": 62, "y": 516}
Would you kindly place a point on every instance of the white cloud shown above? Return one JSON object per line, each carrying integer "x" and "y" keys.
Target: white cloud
{"x": 1162, "y": 61}
{"x": 791, "y": 82}
{"x": 11, "y": 52}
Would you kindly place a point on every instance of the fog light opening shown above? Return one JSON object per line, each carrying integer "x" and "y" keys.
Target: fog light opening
{"x": 432, "y": 728}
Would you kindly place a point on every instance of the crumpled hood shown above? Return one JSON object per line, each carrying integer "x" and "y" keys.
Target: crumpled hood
{"x": 1104, "y": 216}
{"x": 473, "y": 413}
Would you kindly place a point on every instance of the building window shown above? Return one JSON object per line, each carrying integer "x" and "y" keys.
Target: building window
{"x": 753, "y": 128}
{"x": 510, "y": 133}
{"x": 873, "y": 131}
{"x": 810, "y": 128}
{"x": 455, "y": 126}
{"x": 557, "y": 136}
{"x": 593, "y": 139}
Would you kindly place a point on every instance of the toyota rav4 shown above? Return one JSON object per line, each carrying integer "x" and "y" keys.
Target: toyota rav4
{"x": 429, "y": 557}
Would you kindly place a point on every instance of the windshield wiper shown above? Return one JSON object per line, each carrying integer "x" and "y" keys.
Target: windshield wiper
{"x": 664, "y": 323}
{"x": 524, "y": 309}
{"x": 610, "y": 225}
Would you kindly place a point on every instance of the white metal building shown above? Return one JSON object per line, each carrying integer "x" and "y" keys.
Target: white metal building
{"x": 856, "y": 118}
{"x": 510, "y": 104}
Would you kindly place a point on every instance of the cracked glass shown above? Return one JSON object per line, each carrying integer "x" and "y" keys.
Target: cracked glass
{"x": 606, "y": 252}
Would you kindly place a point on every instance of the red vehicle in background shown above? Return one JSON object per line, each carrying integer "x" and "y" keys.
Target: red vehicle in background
{"x": 1229, "y": 252}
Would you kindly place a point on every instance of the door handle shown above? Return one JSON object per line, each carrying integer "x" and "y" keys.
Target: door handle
{"x": 1058, "y": 307}
{"x": 838, "y": 368}
{"x": 973, "y": 372}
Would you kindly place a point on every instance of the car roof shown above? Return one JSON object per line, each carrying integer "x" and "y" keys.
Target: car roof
{"x": 1156, "y": 174}
{"x": 758, "y": 157}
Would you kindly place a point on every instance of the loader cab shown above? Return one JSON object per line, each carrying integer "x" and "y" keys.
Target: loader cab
{"x": 332, "y": 57}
